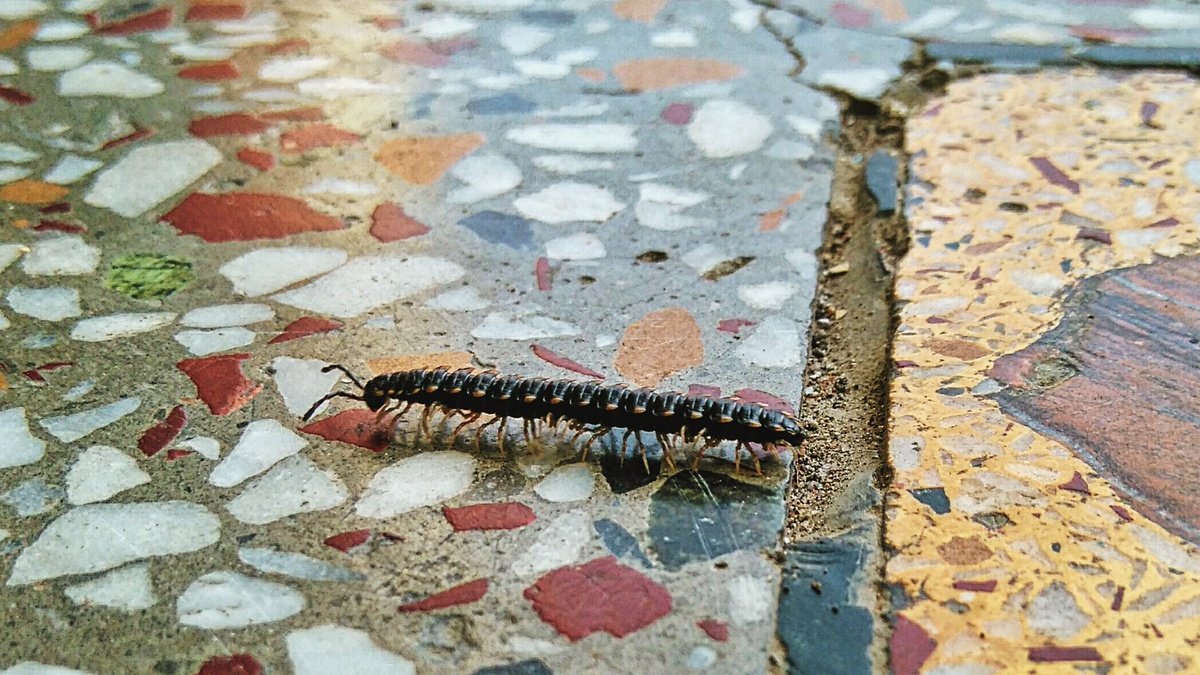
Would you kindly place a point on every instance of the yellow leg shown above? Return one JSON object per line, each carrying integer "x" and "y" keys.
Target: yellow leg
{"x": 454, "y": 434}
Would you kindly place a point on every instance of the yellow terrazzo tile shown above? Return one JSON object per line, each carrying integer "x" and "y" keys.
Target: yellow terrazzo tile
{"x": 992, "y": 228}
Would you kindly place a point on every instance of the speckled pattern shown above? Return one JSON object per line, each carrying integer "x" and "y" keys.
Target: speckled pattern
{"x": 1012, "y": 548}
{"x": 206, "y": 203}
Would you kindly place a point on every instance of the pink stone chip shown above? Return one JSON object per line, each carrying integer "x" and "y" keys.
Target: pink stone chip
{"x": 601, "y": 595}
{"x": 315, "y": 136}
{"x": 459, "y": 595}
{"x": 975, "y": 586}
{"x": 911, "y": 647}
{"x": 507, "y": 516}
{"x": 235, "y": 124}
{"x": 210, "y": 72}
{"x": 390, "y": 223}
{"x": 732, "y": 326}
{"x": 160, "y": 435}
{"x": 1055, "y": 654}
{"x": 1054, "y": 174}
{"x": 1076, "y": 484}
{"x": 245, "y": 216}
{"x": 703, "y": 390}
{"x": 717, "y": 630}
{"x": 404, "y": 51}
{"x": 541, "y": 272}
{"x": 347, "y": 541}
{"x": 563, "y": 362}
{"x": 768, "y": 401}
{"x": 220, "y": 382}
{"x": 305, "y": 326}
{"x": 678, "y": 114}
{"x": 356, "y": 427}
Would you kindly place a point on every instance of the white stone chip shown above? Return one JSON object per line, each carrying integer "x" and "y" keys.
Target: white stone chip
{"x": 113, "y": 326}
{"x": 376, "y": 280}
{"x": 569, "y": 201}
{"x": 191, "y": 51}
{"x": 678, "y": 38}
{"x": 522, "y": 326}
{"x": 270, "y": 269}
{"x": 866, "y": 83}
{"x": 522, "y": 40}
{"x": 127, "y": 589}
{"x": 661, "y": 207}
{"x": 422, "y": 480}
{"x": 206, "y": 447}
{"x": 295, "y": 485}
{"x": 47, "y": 304}
{"x": 15, "y": 10}
{"x": 34, "y": 668}
{"x": 578, "y": 246}
{"x": 231, "y": 600}
{"x": 333, "y": 88}
{"x": 100, "y": 472}
{"x": 724, "y": 128}
{"x": 108, "y": 78}
{"x": 750, "y": 599}
{"x": 590, "y": 137}
{"x": 61, "y": 256}
{"x": 771, "y": 295}
{"x": 57, "y": 57}
{"x": 573, "y": 164}
{"x": 486, "y": 176}
{"x": 295, "y": 565}
{"x": 458, "y": 300}
{"x": 205, "y": 342}
{"x": 1160, "y": 18}
{"x": 10, "y": 173}
{"x": 221, "y": 316}
{"x": 293, "y": 69}
{"x": 33, "y": 497}
{"x": 570, "y": 483}
{"x": 559, "y": 544}
{"x": 335, "y": 649}
{"x": 99, "y": 537}
{"x": 339, "y": 186}
{"x": 542, "y": 70}
{"x": 70, "y": 428}
{"x": 11, "y": 152}
{"x": 775, "y": 343}
{"x": 301, "y": 382}
{"x": 150, "y": 174}
{"x": 262, "y": 445}
{"x": 71, "y": 168}
{"x": 63, "y": 29}
{"x": 19, "y": 446}
{"x": 8, "y": 66}
{"x": 9, "y": 253}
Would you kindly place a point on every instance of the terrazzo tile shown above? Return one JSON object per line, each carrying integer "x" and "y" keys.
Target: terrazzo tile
{"x": 460, "y": 300}
{"x": 640, "y": 75}
{"x": 261, "y": 446}
{"x": 586, "y": 137}
{"x": 20, "y": 447}
{"x": 127, "y": 589}
{"x": 640, "y": 356}
{"x": 660, "y": 207}
{"x": 294, "y": 486}
{"x": 245, "y": 216}
{"x": 560, "y": 543}
{"x": 569, "y": 483}
{"x": 220, "y": 600}
{"x": 378, "y": 280}
{"x": 268, "y": 270}
{"x": 713, "y": 127}
{"x": 220, "y": 383}
{"x": 108, "y": 78}
{"x": 522, "y": 326}
{"x": 418, "y": 481}
{"x": 70, "y": 428}
{"x": 71, "y": 168}
{"x": 65, "y": 255}
{"x": 98, "y": 537}
{"x": 329, "y": 648}
{"x": 501, "y": 228}
{"x": 205, "y": 342}
{"x": 33, "y": 497}
{"x": 119, "y": 326}
{"x": 101, "y": 472}
{"x": 486, "y": 176}
{"x": 555, "y": 598}
{"x": 422, "y": 161}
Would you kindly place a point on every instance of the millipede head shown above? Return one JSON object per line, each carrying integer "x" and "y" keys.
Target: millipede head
{"x": 364, "y": 396}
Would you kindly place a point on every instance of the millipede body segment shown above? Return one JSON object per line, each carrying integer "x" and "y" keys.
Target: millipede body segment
{"x": 587, "y": 406}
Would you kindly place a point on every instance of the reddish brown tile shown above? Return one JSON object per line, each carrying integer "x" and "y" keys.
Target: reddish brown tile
{"x": 563, "y": 362}
{"x": 390, "y": 223}
{"x": 601, "y": 595}
{"x": 235, "y": 124}
{"x": 506, "y": 516}
{"x": 220, "y": 382}
{"x": 160, "y": 435}
{"x": 305, "y": 326}
{"x": 315, "y": 136}
{"x": 356, "y": 426}
{"x": 210, "y": 72}
{"x": 459, "y": 595}
{"x": 245, "y": 216}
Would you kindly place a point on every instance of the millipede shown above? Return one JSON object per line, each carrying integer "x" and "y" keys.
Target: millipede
{"x": 588, "y": 407}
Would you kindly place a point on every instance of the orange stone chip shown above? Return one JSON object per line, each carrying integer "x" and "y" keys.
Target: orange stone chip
{"x": 957, "y": 349}
{"x": 17, "y": 34}
{"x": 395, "y": 364}
{"x": 642, "y": 11}
{"x": 660, "y": 344}
{"x": 421, "y": 161}
{"x": 652, "y": 74}
{"x": 32, "y": 192}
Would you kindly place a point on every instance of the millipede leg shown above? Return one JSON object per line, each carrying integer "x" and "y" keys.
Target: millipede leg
{"x": 596, "y": 433}
{"x": 637, "y": 436}
{"x": 467, "y": 420}
{"x": 703, "y": 449}
{"x": 481, "y": 429}
{"x": 668, "y": 450}
{"x": 737, "y": 458}
{"x": 624, "y": 442}
{"x": 425, "y": 415}
{"x": 501, "y": 432}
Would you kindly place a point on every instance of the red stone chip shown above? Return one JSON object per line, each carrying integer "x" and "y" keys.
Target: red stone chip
{"x": 176, "y": 453}
{"x": 220, "y": 382}
{"x": 601, "y": 595}
{"x": 210, "y": 72}
{"x": 768, "y": 401}
{"x": 307, "y": 114}
{"x": 315, "y": 136}
{"x": 15, "y": 96}
{"x": 305, "y": 326}
{"x": 356, "y": 427}
{"x": 459, "y": 595}
{"x": 160, "y": 435}
{"x": 1053, "y": 654}
{"x": 976, "y": 586}
{"x": 245, "y": 216}
{"x": 259, "y": 159}
{"x": 203, "y": 11}
{"x": 507, "y": 516}
{"x": 703, "y": 390}
{"x": 157, "y": 19}
{"x": 541, "y": 271}
{"x": 563, "y": 362}
{"x": 347, "y": 541}
{"x": 234, "y": 124}
{"x": 911, "y": 646}
{"x": 238, "y": 664}
{"x": 1076, "y": 484}
{"x": 678, "y": 114}
{"x": 390, "y": 223}
{"x": 717, "y": 630}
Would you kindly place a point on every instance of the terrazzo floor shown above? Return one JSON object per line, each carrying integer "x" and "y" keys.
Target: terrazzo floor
{"x": 206, "y": 203}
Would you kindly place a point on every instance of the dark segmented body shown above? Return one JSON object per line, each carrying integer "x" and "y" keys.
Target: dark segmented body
{"x": 582, "y": 404}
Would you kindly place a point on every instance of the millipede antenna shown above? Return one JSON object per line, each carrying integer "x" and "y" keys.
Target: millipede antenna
{"x": 337, "y": 394}
{"x": 332, "y": 367}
